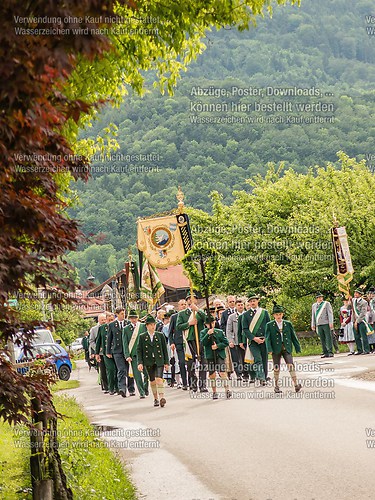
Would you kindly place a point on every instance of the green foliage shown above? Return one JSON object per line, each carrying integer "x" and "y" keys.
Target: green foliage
{"x": 68, "y": 319}
{"x": 203, "y": 268}
{"x": 278, "y": 237}
{"x": 70, "y": 323}
{"x": 284, "y": 51}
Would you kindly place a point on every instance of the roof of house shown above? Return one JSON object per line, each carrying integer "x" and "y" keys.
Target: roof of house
{"x": 173, "y": 277}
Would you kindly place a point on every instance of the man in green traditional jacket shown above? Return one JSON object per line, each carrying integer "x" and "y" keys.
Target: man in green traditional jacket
{"x": 280, "y": 339}
{"x": 130, "y": 339}
{"x": 152, "y": 355}
{"x": 248, "y": 373}
{"x": 186, "y": 321}
{"x": 101, "y": 354}
{"x": 214, "y": 342}
{"x": 254, "y": 323}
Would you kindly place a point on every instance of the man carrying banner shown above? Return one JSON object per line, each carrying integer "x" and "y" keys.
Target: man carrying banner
{"x": 176, "y": 341}
{"x": 254, "y": 323}
{"x": 191, "y": 322}
{"x": 322, "y": 323}
{"x": 152, "y": 355}
{"x": 215, "y": 342}
{"x": 361, "y": 327}
{"x": 130, "y": 339}
{"x": 248, "y": 373}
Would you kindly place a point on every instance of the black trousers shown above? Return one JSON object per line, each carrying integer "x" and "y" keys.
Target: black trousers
{"x": 129, "y": 381}
{"x": 182, "y": 363}
{"x": 194, "y": 382}
{"x": 236, "y": 359}
{"x": 103, "y": 374}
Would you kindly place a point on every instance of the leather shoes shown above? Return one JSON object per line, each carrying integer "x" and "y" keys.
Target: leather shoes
{"x": 185, "y": 388}
{"x": 112, "y": 393}
{"x": 298, "y": 387}
{"x": 122, "y": 393}
{"x": 142, "y": 397}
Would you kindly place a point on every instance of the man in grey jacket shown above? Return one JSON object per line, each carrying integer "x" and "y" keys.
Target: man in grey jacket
{"x": 232, "y": 336}
{"x": 359, "y": 308}
{"x": 322, "y": 323}
{"x": 94, "y": 333}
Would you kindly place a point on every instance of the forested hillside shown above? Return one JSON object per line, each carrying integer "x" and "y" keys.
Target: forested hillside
{"x": 298, "y": 88}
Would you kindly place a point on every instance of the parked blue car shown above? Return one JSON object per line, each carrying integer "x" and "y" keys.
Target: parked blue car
{"x": 54, "y": 353}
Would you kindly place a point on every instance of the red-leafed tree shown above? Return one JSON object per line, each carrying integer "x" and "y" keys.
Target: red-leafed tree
{"x": 42, "y": 42}
{"x": 35, "y": 232}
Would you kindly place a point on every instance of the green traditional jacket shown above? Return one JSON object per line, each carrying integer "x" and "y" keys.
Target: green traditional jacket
{"x": 151, "y": 353}
{"x": 274, "y": 340}
{"x": 183, "y": 322}
{"x": 220, "y": 340}
{"x": 101, "y": 340}
{"x": 126, "y": 337}
{"x": 85, "y": 343}
{"x": 246, "y": 322}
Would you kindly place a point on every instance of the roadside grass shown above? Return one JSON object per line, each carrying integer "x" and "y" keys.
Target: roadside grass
{"x": 311, "y": 346}
{"x": 63, "y": 385}
{"x": 15, "y": 481}
{"x": 92, "y": 470}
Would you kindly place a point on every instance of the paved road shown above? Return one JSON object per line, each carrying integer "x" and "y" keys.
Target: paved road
{"x": 255, "y": 446}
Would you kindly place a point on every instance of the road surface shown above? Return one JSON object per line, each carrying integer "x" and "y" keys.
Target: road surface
{"x": 312, "y": 446}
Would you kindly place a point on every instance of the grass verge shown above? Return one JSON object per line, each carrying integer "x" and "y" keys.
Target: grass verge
{"x": 311, "y": 346}
{"x": 15, "y": 482}
{"x": 92, "y": 470}
{"x": 62, "y": 385}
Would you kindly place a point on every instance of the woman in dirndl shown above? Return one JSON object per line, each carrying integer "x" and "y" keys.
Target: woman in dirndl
{"x": 346, "y": 335}
{"x": 371, "y": 318}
